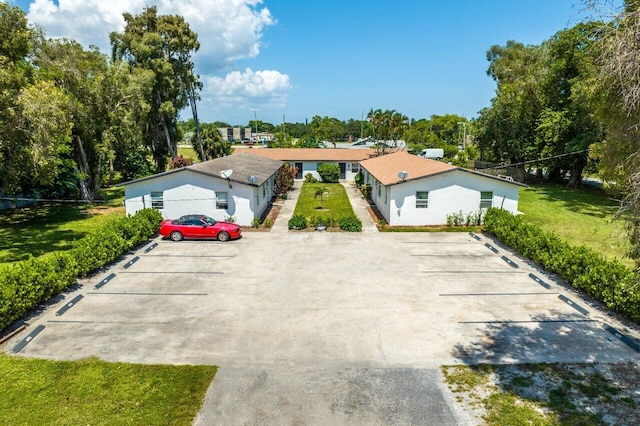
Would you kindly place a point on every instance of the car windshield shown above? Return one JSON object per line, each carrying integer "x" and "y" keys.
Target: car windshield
{"x": 209, "y": 220}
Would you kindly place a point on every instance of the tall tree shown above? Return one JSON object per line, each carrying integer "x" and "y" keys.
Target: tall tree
{"x": 164, "y": 45}
{"x": 15, "y": 73}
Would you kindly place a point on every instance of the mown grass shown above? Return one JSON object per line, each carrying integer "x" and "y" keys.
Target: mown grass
{"x": 335, "y": 202}
{"x": 543, "y": 394}
{"x": 188, "y": 152}
{"x": 42, "y": 228}
{"x": 582, "y": 216}
{"x": 94, "y": 392}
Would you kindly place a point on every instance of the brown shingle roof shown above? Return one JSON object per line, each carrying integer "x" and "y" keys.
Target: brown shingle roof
{"x": 310, "y": 154}
{"x": 386, "y": 167}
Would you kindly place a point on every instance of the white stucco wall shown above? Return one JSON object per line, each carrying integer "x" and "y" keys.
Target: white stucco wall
{"x": 312, "y": 167}
{"x": 192, "y": 193}
{"x": 449, "y": 193}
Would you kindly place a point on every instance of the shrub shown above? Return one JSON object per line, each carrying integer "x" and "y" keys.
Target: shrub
{"x": 27, "y": 284}
{"x": 310, "y": 178}
{"x": 297, "y": 221}
{"x": 358, "y": 179}
{"x": 366, "y": 190}
{"x": 268, "y": 223}
{"x": 350, "y": 223}
{"x": 255, "y": 222}
{"x": 606, "y": 280}
{"x": 284, "y": 178}
{"x": 329, "y": 173}
{"x": 329, "y": 221}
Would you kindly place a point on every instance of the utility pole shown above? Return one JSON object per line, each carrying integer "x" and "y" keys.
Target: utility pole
{"x": 464, "y": 132}
{"x": 255, "y": 118}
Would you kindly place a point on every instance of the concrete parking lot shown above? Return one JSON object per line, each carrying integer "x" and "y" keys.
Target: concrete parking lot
{"x": 329, "y": 328}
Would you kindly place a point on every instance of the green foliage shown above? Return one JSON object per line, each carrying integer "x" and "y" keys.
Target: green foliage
{"x": 365, "y": 188}
{"x": 284, "y": 179}
{"x": 90, "y": 391}
{"x": 310, "y": 178}
{"x": 255, "y": 222}
{"x": 358, "y": 179}
{"x": 350, "y": 223}
{"x": 298, "y": 221}
{"x": 26, "y": 284}
{"x": 606, "y": 280}
{"x": 336, "y": 204}
{"x": 329, "y": 173}
{"x": 179, "y": 162}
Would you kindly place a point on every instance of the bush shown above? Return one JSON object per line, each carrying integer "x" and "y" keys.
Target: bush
{"x": 27, "y": 284}
{"x": 329, "y": 173}
{"x": 310, "y": 178}
{"x": 297, "y": 221}
{"x": 366, "y": 190}
{"x": 606, "y": 280}
{"x": 350, "y": 223}
{"x": 358, "y": 179}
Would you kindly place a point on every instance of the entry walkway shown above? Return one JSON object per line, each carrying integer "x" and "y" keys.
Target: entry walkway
{"x": 358, "y": 203}
{"x": 360, "y": 206}
{"x": 281, "y": 223}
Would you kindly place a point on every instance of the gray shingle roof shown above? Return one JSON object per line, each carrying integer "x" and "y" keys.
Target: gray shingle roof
{"x": 243, "y": 166}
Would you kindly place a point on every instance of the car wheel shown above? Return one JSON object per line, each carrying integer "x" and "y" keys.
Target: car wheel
{"x": 223, "y": 236}
{"x": 176, "y": 236}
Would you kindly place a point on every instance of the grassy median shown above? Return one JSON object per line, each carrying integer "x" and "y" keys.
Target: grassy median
{"x": 94, "y": 392}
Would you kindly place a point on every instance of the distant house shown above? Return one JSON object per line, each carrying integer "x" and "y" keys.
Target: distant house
{"x": 410, "y": 190}
{"x": 307, "y": 160}
{"x": 201, "y": 189}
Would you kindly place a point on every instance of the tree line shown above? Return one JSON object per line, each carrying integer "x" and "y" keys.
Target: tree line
{"x": 72, "y": 118}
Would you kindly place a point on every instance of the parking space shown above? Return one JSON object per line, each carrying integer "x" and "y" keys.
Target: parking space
{"x": 312, "y": 302}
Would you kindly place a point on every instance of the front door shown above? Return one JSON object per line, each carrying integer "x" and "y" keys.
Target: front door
{"x": 299, "y": 166}
{"x": 343, "y": 170}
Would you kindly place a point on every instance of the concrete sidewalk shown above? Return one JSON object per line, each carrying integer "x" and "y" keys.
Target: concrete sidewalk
{"x": 281, "y": 223}
{"x": 360, "y": 205}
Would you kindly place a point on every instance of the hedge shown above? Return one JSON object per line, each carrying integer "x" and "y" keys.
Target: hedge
{"x": 608, "y": 281}
{"x": 26, "y": 284}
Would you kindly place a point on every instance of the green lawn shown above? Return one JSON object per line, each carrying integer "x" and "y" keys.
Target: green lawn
{"x": 582, "y": 216}
{"x": 188, "y": 152}
{"x": 335, "y": 202}
{"x": 45, "y": 227}
{"x": 93, "y": 392}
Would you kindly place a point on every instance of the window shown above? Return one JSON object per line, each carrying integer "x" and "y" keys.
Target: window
{"x": 379, "y": 186}
{"x": 422, "y": 199}
{"x": 264, "y": 191}
{"x": 222, "y": 201}
{"x": 355, "y": 167}
{"x": 157, "y": 201}
{"x": 486, "y": 199}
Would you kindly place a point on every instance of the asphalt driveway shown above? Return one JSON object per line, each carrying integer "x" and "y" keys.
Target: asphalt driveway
{"x": 329, "y": 328}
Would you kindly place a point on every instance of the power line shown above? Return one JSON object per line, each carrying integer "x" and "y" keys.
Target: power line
{"x": 535, "y": 161}
{"x": 52, "y": 200}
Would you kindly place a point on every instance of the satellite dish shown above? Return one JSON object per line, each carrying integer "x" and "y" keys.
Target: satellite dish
{"x": 403, "y": 175}
{"x": 226, "y": 174}
{"x": 252, "y": 179}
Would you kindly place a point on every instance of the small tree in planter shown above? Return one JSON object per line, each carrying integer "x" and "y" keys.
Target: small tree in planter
{"x": 284, "y": 179}
{"x": 320, "y": 193}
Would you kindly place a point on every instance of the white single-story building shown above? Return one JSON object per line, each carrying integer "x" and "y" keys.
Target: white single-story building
{"x": 409, "y": 190}
{"x": 307, "y": 160}
{"x": 201, "y": 189}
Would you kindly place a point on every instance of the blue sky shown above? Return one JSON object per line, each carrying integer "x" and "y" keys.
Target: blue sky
{"x": 337, "y": 58}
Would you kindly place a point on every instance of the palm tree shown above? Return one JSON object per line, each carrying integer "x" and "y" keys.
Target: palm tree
{"x": 320, "y": 191}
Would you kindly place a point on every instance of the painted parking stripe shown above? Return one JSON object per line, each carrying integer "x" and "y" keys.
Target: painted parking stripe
{"x": 528, "y": 321}
{"x": 438, "y": 242}
{"x": 574, "y": 305}
{"x": 212, "y": 256}
{"x": 471, "y": 272}
{"x": 451, "y": 255}
{"x": 492, "y": 248}
{"x": 104, "y": 281}
{"x": 173, "y": 272}
{"x": 510, "y": 262}
{"x": 131, "y": 262}
{"x": 496, "y": 294}
{"x": 539, "y": 281}
{"x": 626, "y": 340}
{"x": 110, "y": 322}
{"x": 148, "y": 249}
{"x": 122, "y": 293}
{"x": 475, "y": 236}
{"x": 17, "y": 348}
{"x": 68, "y": 306}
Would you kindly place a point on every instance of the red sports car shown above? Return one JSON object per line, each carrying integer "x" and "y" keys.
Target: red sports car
{"x": 198, "y": 226}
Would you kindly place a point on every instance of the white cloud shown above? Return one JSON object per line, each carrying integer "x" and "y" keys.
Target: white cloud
{"x": 228, "y": 31}
{"x": 248, "y": 90}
